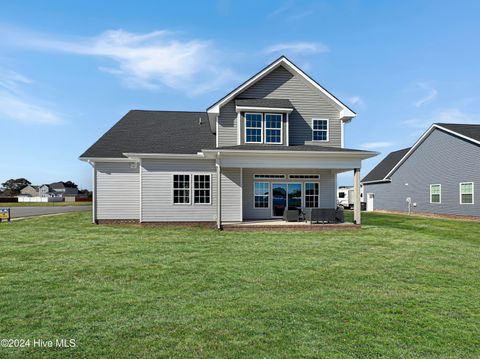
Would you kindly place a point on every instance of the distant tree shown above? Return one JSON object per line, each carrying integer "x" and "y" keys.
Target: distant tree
{"x": 70, "y": 184}
{"x": 13, "y": 186}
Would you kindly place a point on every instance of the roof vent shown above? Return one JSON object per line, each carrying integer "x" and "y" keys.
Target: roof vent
{"x": 199, "y": 120}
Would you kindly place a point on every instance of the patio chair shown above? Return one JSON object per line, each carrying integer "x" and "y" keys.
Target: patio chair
{"x": 339, "y": 218}
{"x": 321, "y": 215}
{"x": 291, "y": 214}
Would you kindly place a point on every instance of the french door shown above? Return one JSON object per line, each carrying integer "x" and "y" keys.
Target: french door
{"x": 285, "y": 195}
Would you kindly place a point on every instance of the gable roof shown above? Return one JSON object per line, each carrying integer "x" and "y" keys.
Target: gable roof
{"x": 345, "y": 112}
{"x": 381, "y": 170}
{"x": 466, "y": 132}
{"x": 138, "y": 131}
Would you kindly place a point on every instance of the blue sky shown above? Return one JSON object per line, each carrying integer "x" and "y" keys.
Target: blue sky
{"x": 70, "y": 70}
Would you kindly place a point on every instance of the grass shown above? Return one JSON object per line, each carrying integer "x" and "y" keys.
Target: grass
{"x": 399, "y": 287}
{"x": 42, "y": 204}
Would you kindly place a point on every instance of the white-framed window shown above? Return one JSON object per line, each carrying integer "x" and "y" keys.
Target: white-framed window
{"x": 312, "y": 194}
{"x": 303, "y": 176}
{"x": 202, "y": 189}
{"x": 273, "y": 128}
{"x": 320, "y": 129}
{"x": 272, "y": 176}
{"x": 181, "y": 189}
{"x": 253, "y": 128}
{"x": 435, "y": 193}
{"x": 466, "y": 193}
{"x": 261, "y": 194}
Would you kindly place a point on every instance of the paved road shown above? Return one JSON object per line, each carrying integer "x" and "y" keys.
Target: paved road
{"x": 19, "y": 212}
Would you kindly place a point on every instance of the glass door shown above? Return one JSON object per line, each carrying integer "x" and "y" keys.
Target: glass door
{"x": 295, "y": 195}
{"x": 279, "y": 199}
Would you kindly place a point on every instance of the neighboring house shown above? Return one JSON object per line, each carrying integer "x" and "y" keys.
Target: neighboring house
{"x": 274, "y": 141}
{"x": 29, "y": 191}
{"x": 43, "y": 190}
{"x": 59, "y": 189}
{"x": 438, "y": 174}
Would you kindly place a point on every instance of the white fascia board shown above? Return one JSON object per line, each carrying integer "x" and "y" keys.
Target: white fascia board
{"x": 345, "y": 112}
{"x": 104, "y": 159}
{"x": 263, "y": 109}
{"x": 374, "y": 182}
{"x": 138, "y": 156}
{"x": 273, "y": 153}
{"x": 457, "y": 134}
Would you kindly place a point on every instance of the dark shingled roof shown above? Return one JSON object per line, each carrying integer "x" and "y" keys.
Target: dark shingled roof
{"x": 264, "y": 102}
{"x": 155, "y": 132}
{"x": 259, "y": 147}
{"x": 385, "y": 166}
{"x": 472, "y": 131}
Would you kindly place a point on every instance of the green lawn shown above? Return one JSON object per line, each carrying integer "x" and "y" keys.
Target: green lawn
{"x": 43, "y": 204}
{"x": 399, "y": 287}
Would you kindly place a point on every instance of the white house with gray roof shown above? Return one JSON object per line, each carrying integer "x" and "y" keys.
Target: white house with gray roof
{"x": 438, "y": 174}
{"x": 275, "y": 141}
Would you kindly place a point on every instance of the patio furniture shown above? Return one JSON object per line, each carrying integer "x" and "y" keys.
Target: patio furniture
{"x": 321, "y": 215}
{"x": 339, "y": 215}
{"x": 292, "y": 214}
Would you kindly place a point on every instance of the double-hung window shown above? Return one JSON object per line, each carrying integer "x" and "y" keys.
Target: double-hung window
{"x": 319, "y": 129}
{"x": 183, "y": 187}
{"x": 312, "y": 191}
{"x": 261, "y": 196}
{"x": 253, "y": 128}
{"x": 273, "y": 128}
{"x": 466, "y": 193}
{"x": 435, "y": 193}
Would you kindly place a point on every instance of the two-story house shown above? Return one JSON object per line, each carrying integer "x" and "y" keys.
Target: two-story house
{"x": 275, "y": 141}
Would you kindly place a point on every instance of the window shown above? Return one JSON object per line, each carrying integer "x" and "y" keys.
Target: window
{"x": 341, "y": 195}
{"x": 181, "y": 189}
{"x": 311, "y": 194}
{"x": 273, "y": 128}
{"x": 303, "y": 176}
{"x": 202, "y": 189}
{"x": 269, "y": 176}
{"x": 261, "y": 194}
{"x": 466, "y": 193}
{"x": 319, "y": 130}
{"x": 435, "y": 193}
{"x": 253, "y": 128}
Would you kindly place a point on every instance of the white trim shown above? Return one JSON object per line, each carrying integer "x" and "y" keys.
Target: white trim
{"x": 104, "y": 159}
{"x": 345, "y": 112}
{"x": 271, "y": 128}
{"x": 458, "y": 134}
{"x": 219, "y": 190}
{"x": 304, "y": 201}
{"x": 269, "y": 194}
{"x": 344, "y": 154}
{"x": 209, "y": 203}
{"x": 137, "y": 156}
{"x": 239, "y": 129}
{"x": 94, "y": 194}
{"x": 287, "y": 130}
{"x": 269, "y": 174}
{"x": 241, "y": 194}
{"x": 342, "y": 129}
{"x": 473, "y": 192}
{"x": 436, "y": 184}
{"x": 303, "y": 178}
{"x": 263, "y": 109}
{"x": 189, "y": 188}
{"x": 328, "y": 129}
{"x": 254, "y": 128}
{"x": 141, "y": 193}
{"x": 216, "y": 131}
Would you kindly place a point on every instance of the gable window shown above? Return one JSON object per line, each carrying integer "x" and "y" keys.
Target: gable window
{"x": 273, "y": 128}
{"x": 181, "y": 189}
{"x": 319, "y": 129}
{"x": 466, "y": 193}
{"x": 262, "y": 191}
{"x": 202, "y": 189}
{"x": 435, "y": 193}
{"x": 253, "y": 128}
{"x": 312, "y": 190}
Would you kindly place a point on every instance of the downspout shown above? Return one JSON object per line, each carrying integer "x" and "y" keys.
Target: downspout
{"x": 94, "y": 192}
{"x": 219, "y": 191}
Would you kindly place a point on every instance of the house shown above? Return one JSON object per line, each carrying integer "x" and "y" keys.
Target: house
{"x": 273, "y": 142}
{"x": 29, "y": 191}
{"x": 437, "y": 174}
{"x": 61, "y": 190}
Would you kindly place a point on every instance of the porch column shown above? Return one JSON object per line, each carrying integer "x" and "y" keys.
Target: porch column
{"x": 219, "y": 192}
{"x": 357, "y": 216}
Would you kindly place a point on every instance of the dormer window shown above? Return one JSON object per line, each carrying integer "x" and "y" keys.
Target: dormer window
{"x": 263, "y": 128}
{"x": 319, "y": 130}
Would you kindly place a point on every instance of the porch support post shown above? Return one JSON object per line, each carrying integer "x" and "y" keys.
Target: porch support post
{"x": 357, "y": 216}
{"x": 219, "y": 192}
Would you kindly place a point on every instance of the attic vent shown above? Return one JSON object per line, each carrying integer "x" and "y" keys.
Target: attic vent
{"x": 199, "y": 120}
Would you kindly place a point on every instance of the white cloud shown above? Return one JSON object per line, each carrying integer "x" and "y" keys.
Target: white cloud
{"x": 297, "y": 48}
{"x": 449, "y": 115}
{"x": 149, "y": 60}
{"x": 355, "y": 101}
{"x": 376, "y": 145}
{"x": 431, "y": 94}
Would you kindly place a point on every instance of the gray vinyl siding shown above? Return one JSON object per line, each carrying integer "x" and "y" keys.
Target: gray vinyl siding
{"x": 231, "y": 194}
{"x": 327, "y": 189}
{"x": 157, "y": 191}
{"x": 441, "y": 159}
{"x": 117, "y": 191}
{"x": 308, "y": 103}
